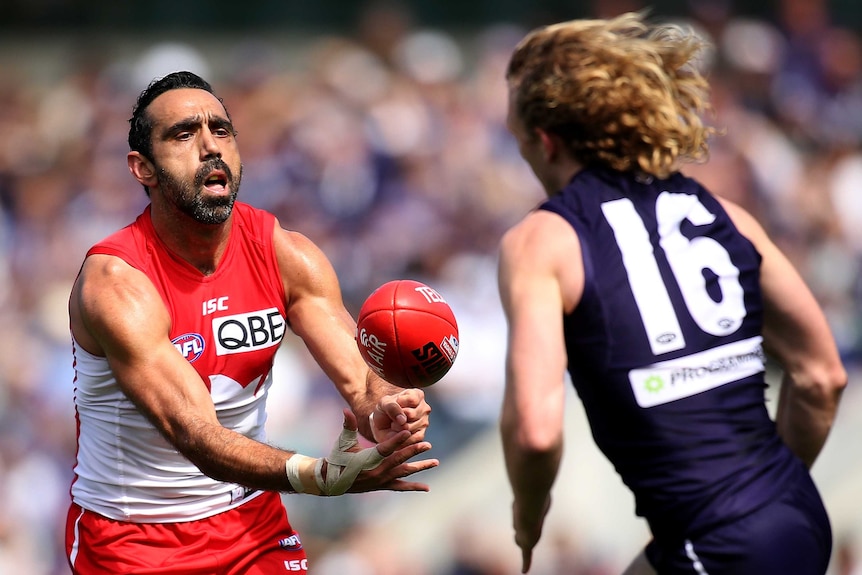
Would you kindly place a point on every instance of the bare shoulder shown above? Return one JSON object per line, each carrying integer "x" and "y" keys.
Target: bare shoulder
{"x": 543, "y": 240}
{"x": 313, "y": 300}
{"x": 540, "y": 232}
{"x": 110, "y": 300}
{"x": 104, "y": 279}
{"x": 291, "y": 243}
{"x": 746, "y": 223}
{"x": 303, "y": 265}
{"x": 542, "y": 246}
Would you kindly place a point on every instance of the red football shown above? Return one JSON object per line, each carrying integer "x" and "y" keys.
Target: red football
{"x": 407, "y": 333}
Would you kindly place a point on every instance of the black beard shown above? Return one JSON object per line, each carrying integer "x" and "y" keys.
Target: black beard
{"x": 188, "y": 197}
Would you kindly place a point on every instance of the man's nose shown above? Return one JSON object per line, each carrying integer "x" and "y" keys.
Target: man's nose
{"x": 209, "y": 144}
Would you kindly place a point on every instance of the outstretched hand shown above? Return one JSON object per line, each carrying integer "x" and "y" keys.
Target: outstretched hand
{"x": 396, "y": 449}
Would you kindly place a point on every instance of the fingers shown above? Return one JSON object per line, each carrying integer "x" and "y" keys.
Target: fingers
{"x": 528, "y": 530}
{"x": 526, "y": 559}
{"x": 389, "y": 474}
{"x": 392, "y": 443}
{"x": 350, "y": 422}
{"x": 412, "y": 397}
{"x": 404, "y": 453}
{"x": 404, "y": 410}
{"x": 406, "y": 470}
{"x": 398, "y": 424}
{"x": 391, "y": 479}
{"x": 417, "y": 466}
{"x": 396, "y": 406}
{"x": 399, "y": 485}
{"x": 390, "y": 407}
{"x": 398, "y": 465}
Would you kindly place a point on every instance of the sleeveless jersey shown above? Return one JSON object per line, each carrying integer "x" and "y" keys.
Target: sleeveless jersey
{"x": 228, "y": 326}
{"x": 664, "y": 349}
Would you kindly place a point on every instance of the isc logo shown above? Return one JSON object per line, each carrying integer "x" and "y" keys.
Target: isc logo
{"x": 248, "y": 331}
{"x": 296, "y": 565}
{"x": 213, "y": 305}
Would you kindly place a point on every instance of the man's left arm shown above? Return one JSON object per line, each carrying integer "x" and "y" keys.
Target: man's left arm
{"x": 316, "y": 313}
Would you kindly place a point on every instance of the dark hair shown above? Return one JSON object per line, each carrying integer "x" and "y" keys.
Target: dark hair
{"x": 141, "y": 125}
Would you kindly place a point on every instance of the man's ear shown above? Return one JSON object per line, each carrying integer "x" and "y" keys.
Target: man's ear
{"x": 551, "y": 144}
{"x": 142, "y": 169}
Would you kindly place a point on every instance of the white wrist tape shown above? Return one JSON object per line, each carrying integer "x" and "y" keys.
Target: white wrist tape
{"x": 343, "y": 465}
{"x": 299, "y": 466}
{"x": 342, "y": 468}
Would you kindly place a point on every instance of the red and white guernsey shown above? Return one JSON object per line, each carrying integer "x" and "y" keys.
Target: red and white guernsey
{"x": 228, "y": 326}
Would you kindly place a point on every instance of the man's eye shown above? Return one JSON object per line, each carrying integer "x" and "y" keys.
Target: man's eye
{"x": 221, "y": 132}
{"x": 184, "y": 135}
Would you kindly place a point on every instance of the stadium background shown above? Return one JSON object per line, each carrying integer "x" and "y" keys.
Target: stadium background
{"x": 378, "y": 130}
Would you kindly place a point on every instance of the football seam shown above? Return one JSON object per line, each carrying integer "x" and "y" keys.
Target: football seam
{"x": 401, "y": 366}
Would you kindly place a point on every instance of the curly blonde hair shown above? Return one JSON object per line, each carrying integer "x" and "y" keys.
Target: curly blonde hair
{"x": 618, "y": 92}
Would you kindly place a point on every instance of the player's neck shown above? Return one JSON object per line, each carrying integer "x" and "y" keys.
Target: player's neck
{"x": 201, "y": 245}
{"x": 559, "y": 175}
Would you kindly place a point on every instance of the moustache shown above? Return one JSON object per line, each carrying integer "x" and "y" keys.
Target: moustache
{"x": 208, "y": 167}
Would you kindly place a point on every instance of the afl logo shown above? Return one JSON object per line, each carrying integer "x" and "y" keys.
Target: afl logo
{"x": 666, "y": 338}
{"x": 293, "y": 543}
{"x": 190, "y": 345}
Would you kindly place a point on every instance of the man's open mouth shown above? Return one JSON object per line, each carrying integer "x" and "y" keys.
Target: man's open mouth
{"x": 216, "y": 181}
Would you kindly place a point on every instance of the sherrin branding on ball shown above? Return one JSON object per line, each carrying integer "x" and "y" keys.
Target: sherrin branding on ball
{"x": 407, "y": 333}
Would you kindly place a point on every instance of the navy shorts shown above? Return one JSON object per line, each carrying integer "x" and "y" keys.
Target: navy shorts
{"x": 790, "y": 536}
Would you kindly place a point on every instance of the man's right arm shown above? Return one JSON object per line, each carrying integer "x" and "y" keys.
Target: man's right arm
{"x": 796, "y": 333}
{"x": 539, "y": 280}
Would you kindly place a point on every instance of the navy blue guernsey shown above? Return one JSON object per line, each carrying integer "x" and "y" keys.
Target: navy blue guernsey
{"x": 665, "y": 352}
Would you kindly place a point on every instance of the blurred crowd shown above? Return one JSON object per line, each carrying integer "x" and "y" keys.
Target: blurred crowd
{"x": 388, "y": 148}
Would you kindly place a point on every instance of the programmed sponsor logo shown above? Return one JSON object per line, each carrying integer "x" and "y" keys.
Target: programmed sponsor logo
{"x": 249, "y": 331}
{"x": 686, "y": 376}
{"x": 190, "y": 345}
